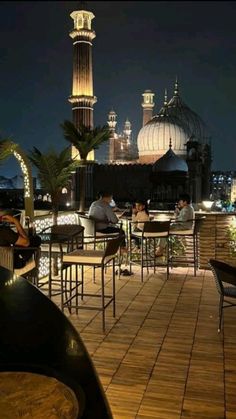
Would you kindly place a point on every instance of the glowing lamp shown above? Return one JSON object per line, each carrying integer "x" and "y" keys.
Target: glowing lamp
{"x": 207, "y": 205}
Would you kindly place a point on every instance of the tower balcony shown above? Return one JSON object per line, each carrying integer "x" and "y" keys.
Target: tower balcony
{"x": 83, "y": 100}
{"x": 82, "y": 33}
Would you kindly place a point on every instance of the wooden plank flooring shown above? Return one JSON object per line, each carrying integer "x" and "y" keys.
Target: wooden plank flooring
{"x": 162, "y": 357}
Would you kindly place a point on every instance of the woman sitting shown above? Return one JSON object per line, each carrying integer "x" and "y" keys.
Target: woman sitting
{"x": 140, "y": 214}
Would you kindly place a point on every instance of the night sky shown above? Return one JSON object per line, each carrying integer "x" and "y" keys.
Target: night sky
{"x": 138, "y": 45}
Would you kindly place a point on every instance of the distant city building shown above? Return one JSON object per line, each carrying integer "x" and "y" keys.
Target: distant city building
{"x": 223, "y": 185}
{"x": 233, "y": 190}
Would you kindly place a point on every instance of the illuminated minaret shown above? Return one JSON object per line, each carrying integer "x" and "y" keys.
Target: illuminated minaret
{"x": 82, "y": 98}
{"x": 112, "y": 127}
{"x": 147, "y": 105}
{"x": 127, "y": 130}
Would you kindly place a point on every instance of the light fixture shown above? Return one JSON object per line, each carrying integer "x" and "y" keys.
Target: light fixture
{"x": 207, "y": 205}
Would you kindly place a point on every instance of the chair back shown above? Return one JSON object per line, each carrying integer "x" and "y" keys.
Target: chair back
{"x": 112, "y": 247}
{"x": 221, "y": 272}
{"x": 66, "y": 229}
{"x": 74, "y": 233}
{"x": 89, "y": 226}
{"x": 156, "y": 228}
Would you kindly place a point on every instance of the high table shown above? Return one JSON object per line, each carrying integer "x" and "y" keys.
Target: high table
{"x": 38, "y": 344}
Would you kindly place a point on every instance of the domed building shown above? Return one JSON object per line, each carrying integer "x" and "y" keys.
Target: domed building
{"x": 170, "y": 162}
{"x": 189, "y": 138}
{"x": 153, "y": 139}
{"x": 153, "y": 170}
{"x": 175, "y": 120}
{"x": 192, "y": 122}
{"x": 169, "y": 177}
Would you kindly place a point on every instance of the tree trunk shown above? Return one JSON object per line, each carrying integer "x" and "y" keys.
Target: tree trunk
{"x": 82, "y": 188}
{"x": 54, "y": 215}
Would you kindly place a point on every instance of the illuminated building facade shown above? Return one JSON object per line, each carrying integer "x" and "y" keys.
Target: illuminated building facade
{"x": 175, "y": 121}
{"x": 121, "y": 147}
{"x": 223, "y": 185}
{"x": 82, "y": 98}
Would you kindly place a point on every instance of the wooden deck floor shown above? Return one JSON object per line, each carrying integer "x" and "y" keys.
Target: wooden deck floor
{"x": 162, "y": 357}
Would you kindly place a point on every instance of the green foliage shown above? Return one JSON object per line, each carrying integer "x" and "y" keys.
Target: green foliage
{"x": 54, "y": 170}
{"x": 85, "y": 139}
{"x": 177, "y": 245}
{"x": 6, "y": 149}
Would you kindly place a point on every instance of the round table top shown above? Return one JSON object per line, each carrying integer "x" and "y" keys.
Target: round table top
{"x": 28, "y": 395}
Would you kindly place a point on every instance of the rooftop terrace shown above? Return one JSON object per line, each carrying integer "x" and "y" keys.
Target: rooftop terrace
{"x": 162, "y": 357}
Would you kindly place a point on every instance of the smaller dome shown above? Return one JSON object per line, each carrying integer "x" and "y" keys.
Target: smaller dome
{"x": 170, "y": 162}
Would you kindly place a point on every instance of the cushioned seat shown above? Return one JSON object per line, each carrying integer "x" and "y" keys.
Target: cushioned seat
{"x": 181, "y": 232}
{"x": 90, "y": 257}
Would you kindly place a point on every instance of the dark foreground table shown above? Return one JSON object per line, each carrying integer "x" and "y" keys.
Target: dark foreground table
{"x": 36, "y": 337}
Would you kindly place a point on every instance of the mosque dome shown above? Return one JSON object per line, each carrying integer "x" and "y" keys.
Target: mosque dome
{"x": 153, "y": 138}
{"x": 170, "y": 162}
{"x": 193, "y": 123}
{"x": 175, "y": 120}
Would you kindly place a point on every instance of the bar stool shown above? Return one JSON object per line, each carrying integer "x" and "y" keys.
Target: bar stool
{"x": 149, "y": 236}
{"x": 56, "y": 240}
{"x": 193, "y": 235}
{"x": 93, "y": 258}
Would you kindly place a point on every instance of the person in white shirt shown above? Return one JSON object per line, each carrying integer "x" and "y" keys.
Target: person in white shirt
{"x": 140, "y": 214}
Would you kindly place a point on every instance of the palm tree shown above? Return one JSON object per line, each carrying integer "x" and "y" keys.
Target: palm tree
{"x": 6, "y": 149}
{"x": 84, "y": 139}
{"x": 54, "y": 172}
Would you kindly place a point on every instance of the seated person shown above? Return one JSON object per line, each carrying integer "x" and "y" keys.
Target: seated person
{"x": 184, "y": 216}
{"x": 9, "y": 237}
{"x": 139, "y": 213}
{"x": 101, "y": 211}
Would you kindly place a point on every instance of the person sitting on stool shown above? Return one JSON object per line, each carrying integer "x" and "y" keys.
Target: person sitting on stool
{"x": 184, "y": 216}
{"x": 101, "y": 211}
{"x": 140, "y": 214}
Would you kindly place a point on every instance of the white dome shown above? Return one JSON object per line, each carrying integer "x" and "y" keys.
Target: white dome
{"x": 154, "y": 138}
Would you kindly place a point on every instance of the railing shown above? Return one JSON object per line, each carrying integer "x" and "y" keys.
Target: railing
{"x": 43, "y": 221}
{"x": 46, "y": 220}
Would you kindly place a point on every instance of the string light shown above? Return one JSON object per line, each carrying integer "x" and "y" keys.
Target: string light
{"x": 25, "y": 172}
